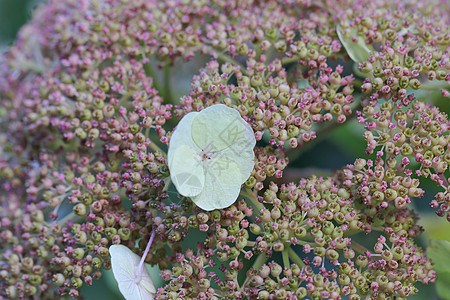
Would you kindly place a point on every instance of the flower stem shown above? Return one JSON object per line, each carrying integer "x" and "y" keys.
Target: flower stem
{"x": 250, "y": 244}
{"x": 444, "y": 181}
{"x": 252, "y": 197}
{"x": 69, "y": 217}
{"x": 358, "y": 247}
{"x": 155, "y": 147}
{"x": 295, "y": 258}
{"x": 147, "y": 249}
{"x": 167, "y": 183}
{"x": 226, "y": 58}
{"x": 285, "y": 256}
{"x": 259, "y": 261}
{"x": 167, "y": 93}
{"x": 150, "y": 72}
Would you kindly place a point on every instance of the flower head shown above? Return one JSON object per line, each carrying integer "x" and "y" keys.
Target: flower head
{"x": 211, "y": 155}
{"x": 84, "y": 116}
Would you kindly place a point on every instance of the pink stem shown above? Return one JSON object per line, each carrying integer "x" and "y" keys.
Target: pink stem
{"x": 147, "y": 249}
{"x": 444, "y": 180}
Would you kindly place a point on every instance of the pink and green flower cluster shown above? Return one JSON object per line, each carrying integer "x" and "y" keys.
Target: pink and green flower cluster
{"x": 91, "y": 92}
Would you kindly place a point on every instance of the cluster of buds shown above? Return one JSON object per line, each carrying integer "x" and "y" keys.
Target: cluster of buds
{"x": 264, "y": 97}
{"x": 414, "y": 141}
{"x": 87, "y": 112}
{"x": 310, "y": 225}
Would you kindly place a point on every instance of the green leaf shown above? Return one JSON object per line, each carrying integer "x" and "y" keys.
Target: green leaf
{"x": 359, "y": 51}
{"x": 439, "y": 252}
{"x": 435, "y": 227}
{"x": 443, "y": 285}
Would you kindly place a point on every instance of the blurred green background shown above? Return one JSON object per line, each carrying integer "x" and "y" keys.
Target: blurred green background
{"x": 13, "y": 14}
{"x": 335, "y": 151}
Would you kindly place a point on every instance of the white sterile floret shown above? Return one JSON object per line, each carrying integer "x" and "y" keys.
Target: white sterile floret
{"x": 134, "y": 282}
{"x": 211, "y": 155}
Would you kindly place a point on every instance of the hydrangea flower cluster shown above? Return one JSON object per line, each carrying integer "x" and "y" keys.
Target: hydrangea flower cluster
{"x": 88, "y": 109}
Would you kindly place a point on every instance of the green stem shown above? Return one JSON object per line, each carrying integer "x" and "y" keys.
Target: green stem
{"x": 125, "y": 97}
{"x": 151, "y": 73}
{"x": 226, "y": 58}
{"x": 250, "y": 244}
{"x": 351, "y": 232}
{"x": 259, "y": 261}
{"x": 292, "y": 174}
{"x": 30, "y": 65}
{"x": 288, "y": 60}
{"x": 295, "y": 258}
{"x": 312, "y": 243}
{"x": 167, "y": 94}
{"x": 285, "y": 256}
{"x": 61, "y": 198}
{"x": 252, "y": 197}
{"x": 358, "y": 83}
{"x": 155, "y": 147}
{"x": 69, "y": 217}
{"x": 378, "y": 228}
{"x": 167, "y": 183}
{"x": 358, "y": 247}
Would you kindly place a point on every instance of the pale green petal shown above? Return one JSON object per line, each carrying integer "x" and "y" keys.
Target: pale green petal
{"x": 186, "y": 171}
{"x": 124, "y": 264}
{"x": 223, "y": 182}
{"x": 217, "y": 127}
{"x": 211, "y": 164}
{"x": 144, "y": 295}
{"x": 146, "y": 285}
{"x": 182, "y": 134}
{"x": 359, "y": 51}
{"x": 241, "y": 151}
{"x": 245, "y": 159}
{"x": 129, "y": 290}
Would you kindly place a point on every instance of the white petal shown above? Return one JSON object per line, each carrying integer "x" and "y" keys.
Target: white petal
{"x": 124, "y": 264}
{"x": 147, "y": 282}
{"x": 241, "y": 151}
{"x": 129, "y": 290}
{"x": 186, "y": 171}
{"x": 182, "y": 135}
{"x": 245, "y": 160}
{"x": 222, "y": 185}
{"x": 217, "y": 127}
